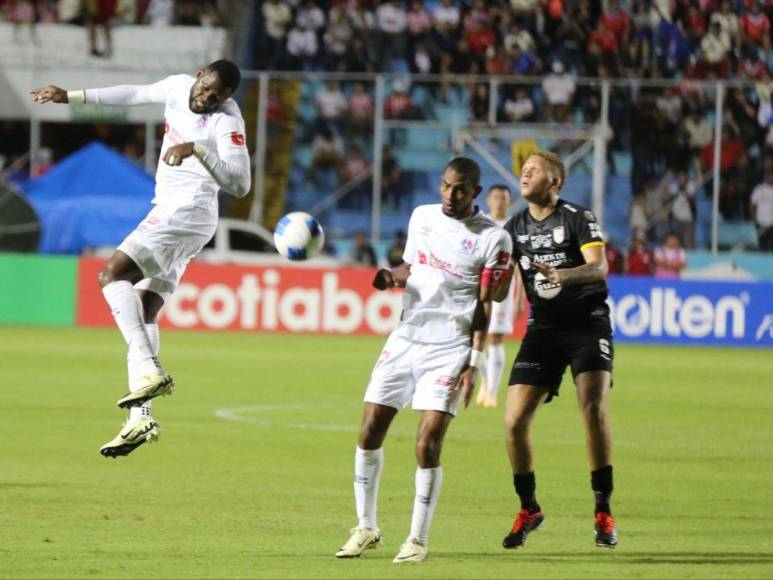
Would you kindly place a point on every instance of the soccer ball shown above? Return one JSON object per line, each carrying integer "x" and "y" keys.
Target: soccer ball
{"x": 298, "y": 236}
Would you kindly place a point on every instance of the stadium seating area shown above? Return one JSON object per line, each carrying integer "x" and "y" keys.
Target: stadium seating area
{"x": 541, "y": 58}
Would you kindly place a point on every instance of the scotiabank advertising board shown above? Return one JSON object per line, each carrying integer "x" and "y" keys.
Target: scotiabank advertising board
{"x": 262, "y": 299}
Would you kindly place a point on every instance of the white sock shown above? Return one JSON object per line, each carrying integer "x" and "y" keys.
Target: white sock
{"x": 428, "y": 484}
{"x": 495, "y": 365}
{"x": 126, "y": 307}
{"x": 368, "y": 464}
{"x": 146, "y": 409}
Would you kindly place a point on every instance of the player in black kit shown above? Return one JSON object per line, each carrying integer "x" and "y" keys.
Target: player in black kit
{"x": 559, "y": 249}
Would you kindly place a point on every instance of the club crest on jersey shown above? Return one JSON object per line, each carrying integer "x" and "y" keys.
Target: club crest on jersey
{"x": 525, "y": 262}
{"x": 540, "y": 241}
{"x": 202, "y": 122}
{"x": 559, "y": 234}
{"x": 467, "y": 246}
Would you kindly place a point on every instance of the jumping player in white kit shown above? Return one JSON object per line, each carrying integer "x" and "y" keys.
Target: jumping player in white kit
{"x": 456, "y": 260}
{"x": 503, "y": 314}
{"x": 203, "y": 151}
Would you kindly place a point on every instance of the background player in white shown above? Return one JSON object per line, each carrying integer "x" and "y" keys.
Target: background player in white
{"x": 503, "y": 314}
{"x": 455, "y": 261}
{"x": 203, "y": 151}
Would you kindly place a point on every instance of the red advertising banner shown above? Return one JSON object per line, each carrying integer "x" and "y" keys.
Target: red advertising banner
{"x": 262, "y": 299}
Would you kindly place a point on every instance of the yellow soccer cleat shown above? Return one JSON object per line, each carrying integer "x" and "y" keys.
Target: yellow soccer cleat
{"x": 412, "y": 551}
{"x": 132, "y": 435}
{"x": 148, "y": 387}
{"x": 362, "y": 539}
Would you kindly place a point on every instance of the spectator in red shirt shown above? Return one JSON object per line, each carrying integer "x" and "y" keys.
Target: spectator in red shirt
{"x": 360, "y": 118}
{"x": 614, "y": 258}
{"x": 480, "y": 38}
{"x": 755, "y": 26}
{"x": 603, "y": 47}
{"x": 641, "y": 261}
{"x": 398, "y": 105}
{"x": 617, "y": 22}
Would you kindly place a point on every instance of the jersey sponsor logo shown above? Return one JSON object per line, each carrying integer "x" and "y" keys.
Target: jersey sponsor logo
{"x": 595, "y": 231}
{"x": 237, "y": 138}
{"x": 467, "y": 246}
{"x": 523, "y": 238}
{"x": 544, "y": 288}
{"x": 554, "y": 260}
{"x": 433, "y": 261}
{"x": 445, "y": 381}
{"x": 559, "y": 234}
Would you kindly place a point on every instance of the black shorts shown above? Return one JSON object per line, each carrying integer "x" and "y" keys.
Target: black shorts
{"x": 547, "y": 350}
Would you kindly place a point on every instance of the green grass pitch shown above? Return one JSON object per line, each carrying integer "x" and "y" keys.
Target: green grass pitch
{"x": 252, "y": 477}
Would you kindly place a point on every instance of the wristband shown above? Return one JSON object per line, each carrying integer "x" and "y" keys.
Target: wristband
{"x": 477, "y": 359}
{"x": 76, "y": 97}
{"x": 200, "y": 151}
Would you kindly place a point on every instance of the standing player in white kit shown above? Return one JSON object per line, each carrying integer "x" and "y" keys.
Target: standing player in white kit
{"x": 203, "y": 151}
{"x": 456, "y": 260}
{"x": 503, "y": 314}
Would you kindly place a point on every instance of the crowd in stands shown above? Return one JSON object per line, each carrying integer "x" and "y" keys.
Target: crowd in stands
{"x": 635, "y": 38}
{"x": 667, "y": 131}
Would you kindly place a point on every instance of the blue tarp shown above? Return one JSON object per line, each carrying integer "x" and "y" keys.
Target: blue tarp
{"x": 92, "y": 198}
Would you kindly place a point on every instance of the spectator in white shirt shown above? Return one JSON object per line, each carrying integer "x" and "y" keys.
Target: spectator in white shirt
{"x": 446, "y": 16}
{"x": 310, "y": 16}
{"x": 559, "y": 90}
{"x": 519, "y": 107}
{"x": 276, "y": 17}
{"x": 762, "y": 211}
{"x": 715, "y": 48}
{"x": 302, "y": 46}
{"x": 391, "y": 20}
{"x": 331, "y": 104}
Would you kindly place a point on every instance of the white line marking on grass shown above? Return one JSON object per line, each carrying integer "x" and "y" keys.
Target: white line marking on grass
{"x": 237, "y": 414}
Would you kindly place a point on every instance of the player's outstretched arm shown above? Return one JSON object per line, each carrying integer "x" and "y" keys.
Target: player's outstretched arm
{"x": 392, "y": 277}
{"x": 121, "y": 95}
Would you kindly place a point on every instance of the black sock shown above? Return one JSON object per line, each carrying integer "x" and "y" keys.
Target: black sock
{"x": 525, "y": 486}
{"x": 601, "y": 482}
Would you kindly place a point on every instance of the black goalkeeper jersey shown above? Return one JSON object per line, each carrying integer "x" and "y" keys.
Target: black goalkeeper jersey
{"x": 558, "y": 240}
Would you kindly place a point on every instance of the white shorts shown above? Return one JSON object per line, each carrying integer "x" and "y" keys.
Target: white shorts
{"x": 164, "y": 243}
{"x": 423, "y": 374}
{"x": 502, "y": 315}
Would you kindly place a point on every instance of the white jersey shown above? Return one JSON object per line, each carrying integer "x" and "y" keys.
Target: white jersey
{"x": 225, "y": 164}
{"x": 449, "y": 259}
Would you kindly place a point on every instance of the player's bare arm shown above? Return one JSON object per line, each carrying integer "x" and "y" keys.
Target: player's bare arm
{"x": 392, "y": 277}
{"x": 480, "y": 324}
{"x": 50, "y": 94}
{"x": 594, "y": 269}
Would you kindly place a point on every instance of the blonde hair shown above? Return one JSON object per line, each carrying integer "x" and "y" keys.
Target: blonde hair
{"x": 555, "y": 165}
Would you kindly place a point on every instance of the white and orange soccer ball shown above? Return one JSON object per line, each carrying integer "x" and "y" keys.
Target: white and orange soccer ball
{"x": 298, "y": 236}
